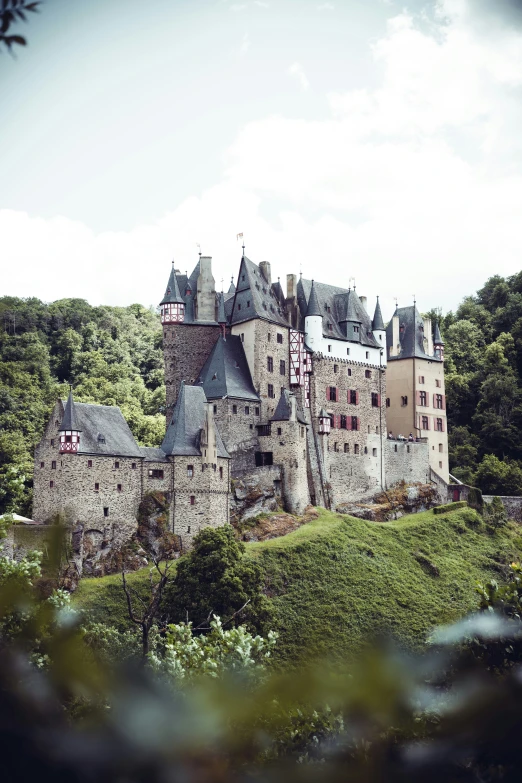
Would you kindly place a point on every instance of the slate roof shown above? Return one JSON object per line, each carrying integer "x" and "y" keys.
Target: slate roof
{"x": 335, "y": 298}
{"x": 188, "y": 286}
{"x": 313, "y": 303}
{"x": 284, "y": 409}
{"x": 152, "y": 454}
{"x": 232, "y": 287}
{"x": 172, "y": 294}
{"x": 254, "y": 297}
{"x": 70, "y": 420}
{"x": 226, "y": 372}
{"x": 183, "y": 434}
{"x": 378, "y": 323}
{"x": 437, "y": 337}
{"x": 411, "y": 334}
{"x": 106, "y": 421}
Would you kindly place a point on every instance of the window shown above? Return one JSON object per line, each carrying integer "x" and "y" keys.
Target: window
{"x": 247, "y": 410}
{"x": 242, "y": 277}
{"x": 336, "y": 368}
{"x": 89, "y": 463}
{"x": 116, "y": 464}
{"x": 221, "y": 473}
{"x": 264, "y": 458}
{"x": 343, "y": 422}
{"x": 96, "y": 487}
{"x": 279, "y": 430}
{"x": 332, "y": 393}
{"x": 374, "y": 452}
{"x": 352, "y": 397}
{"x": 329, "y": 349}
{"x": 271, "y": 391}
{"x": 440, "y": 464}
{"x": 329, "y": 325}
{"x": 438, "y": 401}
{"x": 367, "y": 374}
{"x": 356, "y": 448}
{"x": 101, "y": 438}
{"x": 42, "y": 464}
{"x": 248, "y": 303}
{"x": 234, "y": 408}
{"x": 190, "y": 471}
{"x": 421, "y": 379}
{"x": 52, "y": 441}
{"x": 53, "y": 465}
{"x": 441, "y": 447}
{"x": 105, "y": 512}
{"x": 269, "y": 337}
{"x": 68, "y": 438}
{"x": 439, "y": 425}
{"x": 349, "y": 370}
{"x": 188, "y": 529}
{"x": 336, "y": 446}
{"x": 346, "y": 448}
{"x": 408, "y": 449}
{"x": 282, "y": 367}
{"x": 423, "y": 399}
{"x": 425, "y": 423}
{"x": 239, "y": 307}
{"x": 270, "y": 364}
{"x": 215, "y": 409}
{"x": 133, "y": 466}
{"x": 387, "y": 402}
{"x": 302, "y": 432}
{"x": 280, "y": 338}
{"x": 242, "y": 337}
{"x": 404, "y": 401}
{"x": 366, "y": 449}
{"x": 356, "y": 330}
{"x": 192, "y": 500}
{"x": 155, "y": 473}
{"x": 355, "y": 423}
{"x": 257, "y": 411}
{"x": 51, "y": 484}
{"x": 119, "y": 487}
{"x": 395, "y": 447}
{"x": 375, "y": 400}
{"x": 437, "y": 383}
{"x": 367, "y": 354}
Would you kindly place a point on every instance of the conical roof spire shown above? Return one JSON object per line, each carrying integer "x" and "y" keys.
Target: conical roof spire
{"x": 377, "y": 323}
{"x": 437, "y": 337}
{"x": 172, "y": 294}
{"x": 351, "y": 310}
{"x": 232, "y": 289}
{"x": 313, "y": 303}
{"x": 70, "y": 420}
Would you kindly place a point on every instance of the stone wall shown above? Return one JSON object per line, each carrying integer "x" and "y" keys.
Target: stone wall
{"x": 290, "y": 452}
{"x": 407, "y": 462}
{"x": 22, "y": 539}
{"x": 238, "y": 430}
{"x": 186, "y": 348}
{"x": 210, "y": 490}
{"x": 255, "y": 492}
{"x": 511, "y": 503}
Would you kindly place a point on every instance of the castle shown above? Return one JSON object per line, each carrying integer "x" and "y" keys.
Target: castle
{"x": 299, "y": 390}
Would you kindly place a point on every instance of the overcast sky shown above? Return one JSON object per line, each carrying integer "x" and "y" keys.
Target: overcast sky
{"x": 361, "y": 139}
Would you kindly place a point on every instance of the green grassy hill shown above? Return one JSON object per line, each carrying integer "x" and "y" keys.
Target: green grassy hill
{"x": 337, "y": 580}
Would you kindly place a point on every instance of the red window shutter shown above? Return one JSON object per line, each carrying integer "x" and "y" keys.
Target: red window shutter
{"x": 336, "y": 394}
{"x": 348, "y": 396}
{"x": 358, "y": 423}
{"x": 443, "y": 402}
{"x": 443, "y": 427}
{"x": 428, "y": 418}
{"x": 348, "y": 422}
{"x": 338, "y": 422}
{"x": 328, "y": 393}
{"x": 357, "y": 398}
{"x": 418, "y": 397}
{"x": 434, "y": 400}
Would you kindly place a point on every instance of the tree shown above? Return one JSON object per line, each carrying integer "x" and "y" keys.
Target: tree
{"x": 12, "y": 11}
{"x": 215, "y": 578}
{"x": 146, "y": 615}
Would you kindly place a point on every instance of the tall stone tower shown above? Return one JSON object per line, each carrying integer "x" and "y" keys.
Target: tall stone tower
{"x": 189, "y": 316}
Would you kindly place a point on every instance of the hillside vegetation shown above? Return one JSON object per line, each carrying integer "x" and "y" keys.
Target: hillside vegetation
{"x": 337, "y": 580}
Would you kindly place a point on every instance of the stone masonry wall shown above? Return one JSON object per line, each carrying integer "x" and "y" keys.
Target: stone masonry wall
{"x": 238, "y": 430}
{"x": 210, "y": 491}
{"x": 186, "y": 348}
{"x": 409, "y": 462}
{"x": 290, "y": 452}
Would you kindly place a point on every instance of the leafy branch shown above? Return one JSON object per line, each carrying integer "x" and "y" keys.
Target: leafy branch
{"x": 12, "y": 11}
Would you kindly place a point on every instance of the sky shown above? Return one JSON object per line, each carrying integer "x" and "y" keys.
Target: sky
{"x": 375, "y": 141}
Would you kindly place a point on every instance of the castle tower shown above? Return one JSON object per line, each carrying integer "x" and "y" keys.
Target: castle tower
{"x": 69, "y": 429}
{"x": 438, "y": 343}
{"x": 378, "y": 329}
{"x": 172, "y": 305}
{"x": 189, "y": 315}
{"x": 351, "y": 322}
{"x": 313, "y": 322}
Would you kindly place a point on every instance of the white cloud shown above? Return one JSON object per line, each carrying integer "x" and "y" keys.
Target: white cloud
{"x": 297, "y": 70}
{"x": 414, "y": 186}
{"x": 246, "y": 43}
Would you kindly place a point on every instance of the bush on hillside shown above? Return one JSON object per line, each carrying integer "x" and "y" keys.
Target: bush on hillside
{"x": 447, "y": 507}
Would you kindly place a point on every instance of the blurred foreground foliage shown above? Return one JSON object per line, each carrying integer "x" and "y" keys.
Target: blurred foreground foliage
{"x": 451, "y": 714}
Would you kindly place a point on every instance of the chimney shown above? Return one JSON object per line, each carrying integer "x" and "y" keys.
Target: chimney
{"x": 394, "y": 350}
{"x": 364, "y": 301}
{"x": 265, "y": 271}
{"x": 206, "y": 291}
{"x": 291, "y": 286}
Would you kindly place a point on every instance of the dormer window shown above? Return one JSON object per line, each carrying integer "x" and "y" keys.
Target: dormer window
{"x": 101, "y": 438}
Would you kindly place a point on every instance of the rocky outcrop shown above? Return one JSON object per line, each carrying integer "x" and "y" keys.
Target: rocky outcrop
{"x": 394, "y": 503}
{"x": 269, "y": 526}
{"x": 256, "y": 492}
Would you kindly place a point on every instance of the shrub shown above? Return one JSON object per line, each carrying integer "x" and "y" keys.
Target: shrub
{"x": 447, "y": 507}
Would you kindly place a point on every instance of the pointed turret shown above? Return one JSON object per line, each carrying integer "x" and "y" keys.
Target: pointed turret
{"x": 172, "y": 305}
{"x": 438, "y": 342}
{"x": 69, "y": 428}
{"x": 377, "y": 323}
{"x": 232, "y": 288}
{"x": 313, "y": 321}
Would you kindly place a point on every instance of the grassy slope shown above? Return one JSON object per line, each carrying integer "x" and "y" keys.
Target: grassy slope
{"x": 339, "y": 579}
